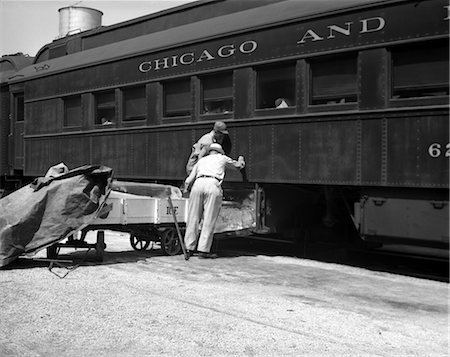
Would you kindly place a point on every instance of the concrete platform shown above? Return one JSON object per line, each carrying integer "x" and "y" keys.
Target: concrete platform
{"x": 243, "y": 304}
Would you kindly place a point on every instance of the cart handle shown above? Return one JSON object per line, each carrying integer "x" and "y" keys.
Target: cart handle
{"x": 183, "y": 247}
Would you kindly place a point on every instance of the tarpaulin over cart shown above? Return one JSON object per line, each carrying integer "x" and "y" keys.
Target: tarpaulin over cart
{"x": 47, "y": 210}
{"x": 147, "y": 189}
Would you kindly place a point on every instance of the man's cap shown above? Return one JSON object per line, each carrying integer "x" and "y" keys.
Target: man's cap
{"x": 216, "y": 147}
{"x": 221, "y": 127}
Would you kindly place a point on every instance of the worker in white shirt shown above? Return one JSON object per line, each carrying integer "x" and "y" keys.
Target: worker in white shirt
{"x": 205, "y": 198}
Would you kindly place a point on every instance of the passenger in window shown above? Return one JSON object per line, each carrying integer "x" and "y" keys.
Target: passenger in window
{"x": 216, "y": 108}
{"x": 106, "y": 121}
{"x": 281, "y": 103}
{"x": 219, "y": 135}
{"x": 210, "y": 109}
{"x": 206, "y": 109}
{"x": 336, "y": 101}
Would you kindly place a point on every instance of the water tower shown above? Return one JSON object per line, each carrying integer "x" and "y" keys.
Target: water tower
{"x": 74, "y": 19}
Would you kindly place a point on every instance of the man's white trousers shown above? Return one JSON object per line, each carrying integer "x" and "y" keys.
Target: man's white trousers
{"x": 205, "y": 201}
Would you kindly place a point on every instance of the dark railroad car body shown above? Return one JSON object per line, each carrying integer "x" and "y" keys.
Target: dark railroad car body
{"x": 363, "y": 129}
{"x": 11, "y": 105}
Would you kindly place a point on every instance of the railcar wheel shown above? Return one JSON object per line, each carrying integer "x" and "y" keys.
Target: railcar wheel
{"x": 170, "y": 244}
{"x": 137, "y": 243}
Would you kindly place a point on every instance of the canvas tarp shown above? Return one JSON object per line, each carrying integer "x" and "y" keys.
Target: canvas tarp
{"x": 47, "y": 210}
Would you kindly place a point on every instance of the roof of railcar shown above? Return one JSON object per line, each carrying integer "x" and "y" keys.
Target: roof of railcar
{"x": 248, "y": 20}
{"x": 154, "y": 22}
{"x": 17, "y": 61}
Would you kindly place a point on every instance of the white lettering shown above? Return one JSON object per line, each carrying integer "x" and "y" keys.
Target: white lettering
{"x": 253, "y": 46}
{"x": 434, "y": 150}
{"x": 365, "y": 24}
{"x": 205, "y": 54}
{"x": 189, "y": 58}
{"x": 174, "y": 61}
{"x": 230, "y": 51}
{"x": 372, "y": 24}
{"x": 341, "y": 30}
{"x": 448, "y": 13}
{"x": 145, "y": 67}
{"x": 182, "y": 58}
{"x": 310, "y": 34}
{"x": 157, "y": 63}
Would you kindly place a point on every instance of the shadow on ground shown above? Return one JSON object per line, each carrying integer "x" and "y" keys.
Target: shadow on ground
{"x": 253, "y": 246}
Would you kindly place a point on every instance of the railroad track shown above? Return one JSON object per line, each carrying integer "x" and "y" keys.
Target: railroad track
{"x": 415, "y": 265}
{"x": 408, "y": 264}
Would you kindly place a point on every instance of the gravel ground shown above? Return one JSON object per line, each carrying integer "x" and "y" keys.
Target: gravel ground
{"x": 146, "y": 304}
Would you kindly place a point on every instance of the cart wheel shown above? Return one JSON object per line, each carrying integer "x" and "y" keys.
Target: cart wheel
{"x": 170, "y": 244}
{"x": 100, "y": 245}
{"x": 137, "y": 243}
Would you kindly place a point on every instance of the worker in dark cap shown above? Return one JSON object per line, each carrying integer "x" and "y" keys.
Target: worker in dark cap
{"x": 205, "y": 198}
{"x": 219, "y": 135}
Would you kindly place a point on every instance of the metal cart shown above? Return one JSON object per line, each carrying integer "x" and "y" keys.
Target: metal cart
{"x": 146, "y": 219}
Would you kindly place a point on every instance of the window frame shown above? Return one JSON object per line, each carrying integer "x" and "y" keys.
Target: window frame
{"x": 231, "y": 97}
{"x": 65, "y": 99}
{"x": 135, "y": 120}
{"x": 310, "y": 86}
{"x": 269, "y": 111}
{"x": 182, "y": 117}
{"x": 19, "y": 108}
{"x": 107, "y": 105}
{"x": 410, "y": 101}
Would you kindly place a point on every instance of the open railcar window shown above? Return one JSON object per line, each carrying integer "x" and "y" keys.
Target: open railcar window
{"x": 177, "y": 98}
{"x": 134, "y": 103}
{"x": 420, "y": 70}
{"x": 217, "y": 93}
{"x": 72, "y": 111}
{"x": 19, "y": 106}
{"x": 105, "y": 108}
{"x": 275, "y": 85}
{"x": 334, "y": 80}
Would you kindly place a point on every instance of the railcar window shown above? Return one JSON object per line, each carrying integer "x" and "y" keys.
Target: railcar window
{"x": 420, "y": 70}
{"x": 43, "y": 56}
{"x": 334, "y": 80}
{"x": 217, "y": 91}
{"x": 275, "y": 83}
{"x": 177, "y": 98}
{"x": 19, "y": 107}
{"x": 72, "y": 111}
{"x": 134, "y": 103}
{"x": 58, "y": 51}
{"x": 105, "y": 108}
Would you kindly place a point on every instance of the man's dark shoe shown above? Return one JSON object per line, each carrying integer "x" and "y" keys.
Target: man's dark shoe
{"x": 203, "y": 255}
{"x": 190, "y": 253}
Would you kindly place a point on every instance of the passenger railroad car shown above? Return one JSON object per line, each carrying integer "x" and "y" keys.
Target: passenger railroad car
{"x": 360, "y": 139}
